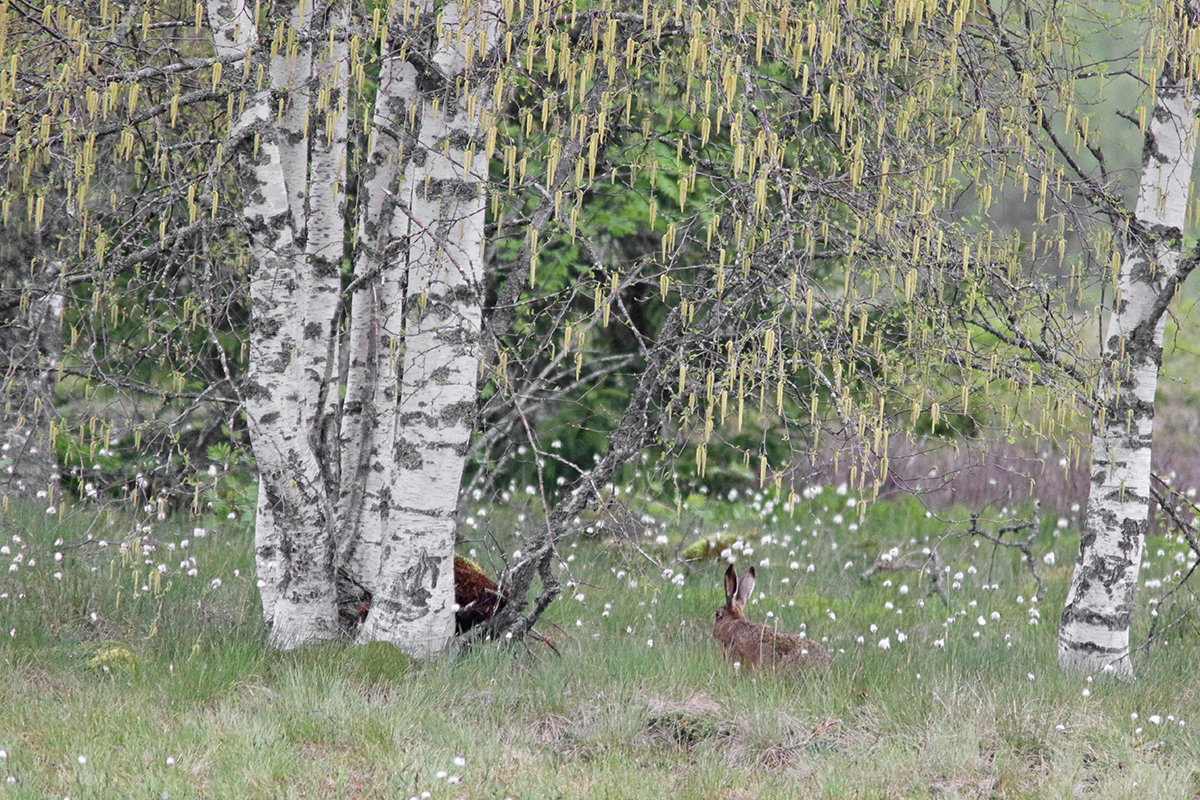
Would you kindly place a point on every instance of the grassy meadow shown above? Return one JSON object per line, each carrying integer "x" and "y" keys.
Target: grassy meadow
{"x": 134, "y": 667}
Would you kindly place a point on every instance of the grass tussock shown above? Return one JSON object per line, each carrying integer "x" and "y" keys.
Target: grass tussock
{"x": 134, "y": 666}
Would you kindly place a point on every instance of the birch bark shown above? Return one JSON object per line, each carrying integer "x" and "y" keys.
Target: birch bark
{"x": 438, "y": 221}
{"x": 367, "y": 484}
{"x": 30, "y": 346}
{"x": 1094, "y": 632}
{"x": 372, "y": 382}
{"x": 291, "y": 296}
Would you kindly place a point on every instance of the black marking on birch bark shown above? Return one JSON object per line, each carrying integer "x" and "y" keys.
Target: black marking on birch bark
{"x": 411, "y": 418}
{"x": 294, "y": 138}
{"x": 325, "y": 446}
{"x": 1088, "y": 647}
{"x": 457, "y": 336}
{"x": 326, "y": 267}
{"x": 427, "y": 513}
{"x": 1133, "y": 532}
{"x": 451, "y": 189}
{"x": 1161, "y": 233}
{"x": 443, "y": 306}
{"x": 394, "y": 609}
{"x": 304, "y": 592}
{"x": 430, "y": 80}
{"x": 397, "y": 108}
{"x": 455, "y": 413}
{"x": 460, "y": 139}
{"x": 1146, "y": 271}
{"x": 371, "y": 232}
{"x": 1107, "y": 571}
{"x": 1127, "y": 402}
{"x": 266, "y": 551}
{"x": 267, "y": 328}
{"x": 1125, "y": 495}
{"x": 462, "y": 294}
{"x": 302, "y": 564}
{"x": 410, "y": 586}
{"x": 407, "y": 455}
{"x": 1150, "y": 149}
{"x": 224, "y": 11}
{"x": 1117, "y": 620}
{"x": 248, "y": 157}
{"x": 286, "y": 281}
{"x": 252, "y": 390}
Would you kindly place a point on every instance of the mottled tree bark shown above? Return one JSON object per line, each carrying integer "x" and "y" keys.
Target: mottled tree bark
{"x": 1094, "y": 632}
{"x": 290, "y": 293}
{"x": 362, "y": 478}
{"x": 436, "y": 232}
{"x": 30, "y": 346}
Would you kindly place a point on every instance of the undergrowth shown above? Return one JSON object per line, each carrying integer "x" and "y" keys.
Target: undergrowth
{"x": 135, "y": 666}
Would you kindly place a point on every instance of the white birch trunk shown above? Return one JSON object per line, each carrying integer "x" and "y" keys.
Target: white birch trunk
{"x": 1094, "y": 632}
{"x": 234, "y": 33}
{"x": 326, "y": 240}
{"x": 368, "y": 484}
{"x": 440, "y": 217}
{"x": 368, "y": 431}
{"x": 293, "y": 546}
{"x": 30, "y": 346}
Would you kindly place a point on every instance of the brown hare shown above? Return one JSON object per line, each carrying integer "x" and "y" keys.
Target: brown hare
{"x": 755, "y": 646}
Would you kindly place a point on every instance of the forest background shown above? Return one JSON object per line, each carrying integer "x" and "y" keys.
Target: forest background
{"x": 680, "y": 285}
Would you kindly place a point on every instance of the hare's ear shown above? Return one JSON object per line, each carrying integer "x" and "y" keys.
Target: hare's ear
{"x": 731, "y": 585}
{"x": 745, "y": 587}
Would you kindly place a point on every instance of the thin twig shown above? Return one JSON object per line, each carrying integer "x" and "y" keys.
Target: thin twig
{"x": 1025, "y": 545}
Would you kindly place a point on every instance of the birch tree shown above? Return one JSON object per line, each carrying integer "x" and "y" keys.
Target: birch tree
{"x": 406, "y": 520}
{"x": 30, "y": 346}
{"x": 1094, "y": 635}
{"x": 818, "y": 287}
{"x": 107, "y": 142}
{"x": 370, "y": 486}
{"x": 179, "y": 146}
{"x": 762, "y": 233}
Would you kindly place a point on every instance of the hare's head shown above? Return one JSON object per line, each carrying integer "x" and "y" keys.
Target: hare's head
{"x": 736, "y": 593}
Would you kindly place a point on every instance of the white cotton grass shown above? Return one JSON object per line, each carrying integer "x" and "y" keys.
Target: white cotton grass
{"x": 901, "y": 619}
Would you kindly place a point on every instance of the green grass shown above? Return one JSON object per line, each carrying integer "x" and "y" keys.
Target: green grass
{"x": 169, "y": 691}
